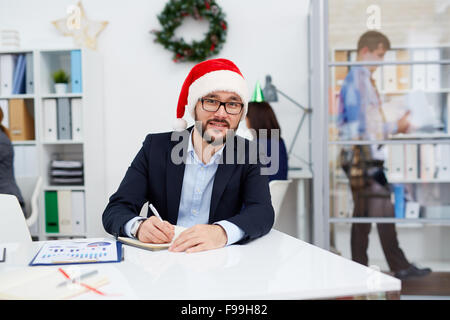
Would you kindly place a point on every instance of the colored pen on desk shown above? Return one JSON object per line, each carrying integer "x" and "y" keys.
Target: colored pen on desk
{"x": 155, "y": 212}
{"x": 83, "y": 276}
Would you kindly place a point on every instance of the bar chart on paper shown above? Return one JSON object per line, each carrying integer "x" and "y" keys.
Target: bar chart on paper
{"x": 70, "y": 252}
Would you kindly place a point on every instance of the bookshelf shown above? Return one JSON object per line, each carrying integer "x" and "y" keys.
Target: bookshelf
{"x": 417, "y": 161}
{"x": 86, "y": 145}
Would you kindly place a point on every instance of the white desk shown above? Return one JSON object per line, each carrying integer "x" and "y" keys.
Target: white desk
{"x": 276, "y": 266}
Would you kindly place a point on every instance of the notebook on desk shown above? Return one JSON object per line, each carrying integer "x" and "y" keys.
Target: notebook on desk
{"x": 151, "y": 246}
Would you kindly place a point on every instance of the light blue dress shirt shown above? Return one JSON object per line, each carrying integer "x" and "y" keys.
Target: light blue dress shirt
{"x": 196, "y": 194}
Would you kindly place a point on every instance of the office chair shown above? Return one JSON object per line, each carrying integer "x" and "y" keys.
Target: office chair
{"x": 278, "y": 190}
{"x": 30, "y": 188}
{"x": 13, "y": 227}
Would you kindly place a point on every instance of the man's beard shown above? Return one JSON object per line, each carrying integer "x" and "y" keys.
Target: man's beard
{"x": 201, "y": 128}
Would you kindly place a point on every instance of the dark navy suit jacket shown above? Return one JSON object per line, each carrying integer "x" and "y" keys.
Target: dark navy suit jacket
{"x": 240, "y": 193}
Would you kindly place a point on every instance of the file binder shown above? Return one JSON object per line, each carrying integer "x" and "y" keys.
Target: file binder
{"x": 412, "y": 210}
{"x": 50, "y": 121}
{"x": 78, "y": 212}
{"x": 77, "y": 120}
{"x": 29, "y": 72}
{"x": 442, "y": 157}
{"x": 51, "y": 212}
{"x": 390, "y": 72}
{"x": 396, "y": 162}
{"x": 427, "y": 165}
{"x": 7, "y": 62}
{"x": 419, "y": 70}
{"x": 21, "y": 122}
{"x": 4, "y": 105}
{"x": 19, "y": 75}
{"x": 64, "y": 121}
{"x": 399, "y": 201}
{"x": 403, "y": 71}
{"x": 433, "y": 71}
{"x": 75, "y": 61}
{"x": 411, "y": 161}
{"x": 64, "y": 211}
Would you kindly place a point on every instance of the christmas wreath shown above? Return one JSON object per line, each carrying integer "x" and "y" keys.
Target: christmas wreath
{"x": 171, "y": 18}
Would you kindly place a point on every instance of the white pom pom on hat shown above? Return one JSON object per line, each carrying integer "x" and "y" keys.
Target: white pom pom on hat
{"x": 206, "y": 77}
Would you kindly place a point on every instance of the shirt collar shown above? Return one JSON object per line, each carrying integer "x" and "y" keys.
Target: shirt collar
{"x": 194, "y": 155}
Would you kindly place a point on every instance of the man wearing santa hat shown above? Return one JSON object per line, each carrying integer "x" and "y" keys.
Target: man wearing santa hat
{"x": 218, "y": 194}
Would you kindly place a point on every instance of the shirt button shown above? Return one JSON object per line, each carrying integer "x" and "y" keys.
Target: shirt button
{"x": 198, "y": 190}
{"x": 194, "y": 211}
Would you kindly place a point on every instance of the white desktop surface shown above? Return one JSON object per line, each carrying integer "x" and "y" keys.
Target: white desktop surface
{"x": 276, "y": 266}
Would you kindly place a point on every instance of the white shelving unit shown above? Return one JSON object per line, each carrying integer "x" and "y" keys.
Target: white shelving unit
{"x": 90, "y": 150}
{"x": 406, "y": 68}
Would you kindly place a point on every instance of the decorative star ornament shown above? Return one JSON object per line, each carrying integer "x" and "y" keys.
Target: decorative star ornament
{"x": 78, "y": 26}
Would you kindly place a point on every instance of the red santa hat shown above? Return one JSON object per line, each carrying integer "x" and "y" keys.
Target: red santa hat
{"x": 206, "y": 77}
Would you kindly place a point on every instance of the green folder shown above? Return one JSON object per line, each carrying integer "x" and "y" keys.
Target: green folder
{"x": 51, "y": 212}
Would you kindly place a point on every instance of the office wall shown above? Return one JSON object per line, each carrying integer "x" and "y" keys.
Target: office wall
{"x": 142, "y": 84}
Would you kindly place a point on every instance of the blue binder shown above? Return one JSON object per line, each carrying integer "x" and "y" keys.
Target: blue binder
{"x": 75, "y": 65}
{"x": 19, "y": 75}
{"x": 399, "y": 198}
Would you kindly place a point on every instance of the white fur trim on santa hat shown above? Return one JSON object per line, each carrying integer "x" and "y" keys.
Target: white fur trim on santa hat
{"x": 179, "y": 124}
{"x": 221, "y": 80}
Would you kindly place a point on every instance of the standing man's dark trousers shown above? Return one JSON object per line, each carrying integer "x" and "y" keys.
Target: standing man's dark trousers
{"x": 373, "y": 200}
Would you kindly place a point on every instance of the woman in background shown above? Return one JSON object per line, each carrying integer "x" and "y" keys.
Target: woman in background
{"x": 7, "y": 181}
{"x": 261, "y": 116}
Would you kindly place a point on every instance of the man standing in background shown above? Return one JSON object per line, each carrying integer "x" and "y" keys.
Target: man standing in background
{"x": 361, "y": 117}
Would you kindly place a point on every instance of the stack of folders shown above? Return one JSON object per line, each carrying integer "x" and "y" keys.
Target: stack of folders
{"x": 16, "y": 74}
{"x": 427, "y": 162}
{"x": 65, "y": 212}
{"x": 9, "y": 39}
{"x": 62, "y": 119}
{"x": 63, "y": 172}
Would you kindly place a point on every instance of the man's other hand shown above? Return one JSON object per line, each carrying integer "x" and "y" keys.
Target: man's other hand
{"x": 200, "y": 237}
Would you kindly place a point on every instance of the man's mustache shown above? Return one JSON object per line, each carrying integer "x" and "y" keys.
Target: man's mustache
{"x": 218, "y": 120}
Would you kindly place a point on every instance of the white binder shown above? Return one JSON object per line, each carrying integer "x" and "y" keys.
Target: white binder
{"x": 65, "y": 211}
{"x": 78, "y": 212}
{"x": 396, "y": 162}
{"x": 442, "y": 157}
{"x": 77, "y": 119}
{"x": 411, "y": 162}
{"x": 427, "y": 165}
{"x": 390, "y": 72}
{"x": 4, "y": 105}
{"x": 433, "y": 71}
{"x": 7, "y": 62}
{"x": 419, "y": 70}
{"x": 412, "y": 210}
{"x": 50, "y": 122}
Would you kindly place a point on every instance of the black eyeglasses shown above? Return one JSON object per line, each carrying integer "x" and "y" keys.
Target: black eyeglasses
{"x": 212, "y": 105}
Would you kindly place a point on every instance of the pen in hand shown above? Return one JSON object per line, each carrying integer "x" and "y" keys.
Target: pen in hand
{"x": 155, "y": 212}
